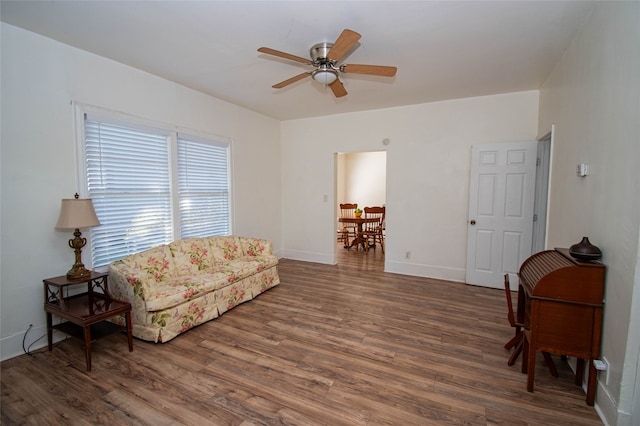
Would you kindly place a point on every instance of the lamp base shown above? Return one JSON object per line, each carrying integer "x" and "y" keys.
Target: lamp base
{"x": 78, "y": 272}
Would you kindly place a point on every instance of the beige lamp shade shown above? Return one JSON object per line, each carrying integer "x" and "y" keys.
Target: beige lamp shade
{"x": 77, "y": 213}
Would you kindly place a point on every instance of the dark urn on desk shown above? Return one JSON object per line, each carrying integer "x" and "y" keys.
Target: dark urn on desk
{"x": 585, "y": 251}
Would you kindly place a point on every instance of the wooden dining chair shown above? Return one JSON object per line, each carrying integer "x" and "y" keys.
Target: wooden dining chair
{"x": 373, "y": 230}
{"x": 517, "y": 341}
{"x": 347, "y": 230}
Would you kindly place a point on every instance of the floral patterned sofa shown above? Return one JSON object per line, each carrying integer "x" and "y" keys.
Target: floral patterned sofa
{"x": 175, "y": 287}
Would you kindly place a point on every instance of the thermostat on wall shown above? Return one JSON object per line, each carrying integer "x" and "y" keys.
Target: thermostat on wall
{"x": 582, "y": 169}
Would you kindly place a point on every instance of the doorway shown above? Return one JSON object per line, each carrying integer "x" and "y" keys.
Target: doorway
{"x": 361, "y": 178}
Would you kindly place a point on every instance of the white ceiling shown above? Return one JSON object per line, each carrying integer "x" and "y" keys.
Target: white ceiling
{"x": 443, "y": 49}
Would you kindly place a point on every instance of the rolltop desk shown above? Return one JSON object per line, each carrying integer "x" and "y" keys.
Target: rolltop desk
{"x": 560, "y": 302}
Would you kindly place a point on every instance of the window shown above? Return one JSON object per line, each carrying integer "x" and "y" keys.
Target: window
{"x": 137, "y": 195}
{"x": 203, "y": 188}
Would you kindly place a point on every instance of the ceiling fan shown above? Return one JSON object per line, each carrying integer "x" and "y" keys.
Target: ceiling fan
{"x": 325, "y": 58}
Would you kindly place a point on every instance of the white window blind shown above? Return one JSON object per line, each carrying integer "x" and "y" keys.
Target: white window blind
{"x": 128, "y": 179}
{"x": 203, "y": 188}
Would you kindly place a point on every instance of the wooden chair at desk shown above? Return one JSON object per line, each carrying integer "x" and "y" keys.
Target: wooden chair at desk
{"x": 347, "y": 230}
{"x": 517, "y": 341}
{"x": 373, "y": 230}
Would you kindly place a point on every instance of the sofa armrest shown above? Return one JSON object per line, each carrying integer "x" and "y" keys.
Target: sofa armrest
{"x": 130, "y": 284}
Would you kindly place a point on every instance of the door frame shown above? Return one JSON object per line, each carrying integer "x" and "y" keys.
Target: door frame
{"x": 541, "y": 201}
{"x": 337, "y": 173}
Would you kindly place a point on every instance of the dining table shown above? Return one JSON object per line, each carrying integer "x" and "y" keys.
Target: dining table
{"x": 359, "y": 221}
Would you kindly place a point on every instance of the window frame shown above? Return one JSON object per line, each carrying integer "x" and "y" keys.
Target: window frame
{"x": 173, "y": 132}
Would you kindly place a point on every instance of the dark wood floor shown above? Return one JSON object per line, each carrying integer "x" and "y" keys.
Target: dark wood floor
{"x": 332, "y": 345}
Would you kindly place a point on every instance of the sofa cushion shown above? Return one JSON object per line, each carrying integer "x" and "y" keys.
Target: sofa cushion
{"x": 253, "y": 263}
{"x": 191, "y": 255}
{"x": 170, "y": 293}
{"x": 156, "y": 263}
{"x": 173, "y": 292}
{"x": 223, "y": 248}
{"x": 255, "y": 246}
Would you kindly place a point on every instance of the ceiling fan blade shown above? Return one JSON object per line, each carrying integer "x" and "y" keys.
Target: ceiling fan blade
{"x": 284, "y": 55}
{"x": 338, "y": 88}
{"x": 345, "y": 41}
{"x": 291, "y": 80}
{"x": 380, "y": 70}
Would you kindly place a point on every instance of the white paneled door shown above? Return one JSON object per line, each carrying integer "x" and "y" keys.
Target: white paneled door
{"x": 500, "y": 224}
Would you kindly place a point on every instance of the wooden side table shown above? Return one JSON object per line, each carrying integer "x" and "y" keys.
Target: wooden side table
{"x": 84, "y": 310}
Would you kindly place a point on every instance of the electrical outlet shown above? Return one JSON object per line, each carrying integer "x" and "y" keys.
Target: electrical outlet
{"x": 602, "y": 365}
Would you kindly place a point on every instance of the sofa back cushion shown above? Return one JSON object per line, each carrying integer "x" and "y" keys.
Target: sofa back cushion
{"x": 255, "y": 247}
{"x": 191, "y": 255}
{"x": 224, "y": 248}
{"x": 156, "y": 263}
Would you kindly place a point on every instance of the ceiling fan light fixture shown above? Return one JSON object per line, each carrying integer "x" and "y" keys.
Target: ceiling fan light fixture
{"x": 324, "y": 75}
{"x": 325, "y": 57}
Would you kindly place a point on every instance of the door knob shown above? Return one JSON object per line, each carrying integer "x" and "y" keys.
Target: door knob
{"x": 472, "y": 221}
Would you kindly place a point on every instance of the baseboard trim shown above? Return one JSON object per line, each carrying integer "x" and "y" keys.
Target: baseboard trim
{"x": 404, "y": 268}
{"x": 427, "y": 271}
{"x": 11, "y": 346}
{"x": 308, "y": 256}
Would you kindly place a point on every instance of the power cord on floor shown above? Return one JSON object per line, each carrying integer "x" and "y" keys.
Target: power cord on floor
{"x": 27, "y": 350}
{"x": 24, "y": 338}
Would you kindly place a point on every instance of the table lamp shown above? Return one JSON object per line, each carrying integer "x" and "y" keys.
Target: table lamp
{"x": 77, "y": 213}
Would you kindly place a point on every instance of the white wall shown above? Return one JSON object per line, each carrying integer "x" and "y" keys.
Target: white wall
{"x": 367, "y": 178}
{"x": 341, "y": 181}
{"x": 593, "y": 98}
{"x": 361, "y": 178}
{"x": 40, "y": 79}
{"x": 428, "y": 161}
